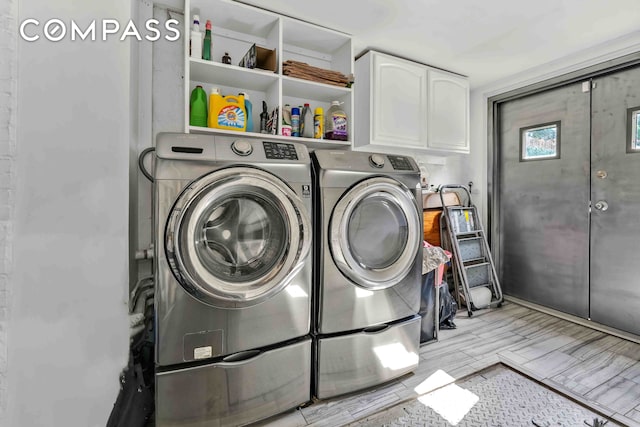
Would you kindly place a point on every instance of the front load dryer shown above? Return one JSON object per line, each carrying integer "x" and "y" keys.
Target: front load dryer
{"x": 368, "y": 265}
{"x": 233, "y": 278}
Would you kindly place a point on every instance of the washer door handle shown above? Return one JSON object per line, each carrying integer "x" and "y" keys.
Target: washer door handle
{"x": 241, "y": 357}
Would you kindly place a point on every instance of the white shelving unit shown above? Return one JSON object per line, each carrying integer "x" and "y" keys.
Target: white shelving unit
{"x": 235, "y": 28}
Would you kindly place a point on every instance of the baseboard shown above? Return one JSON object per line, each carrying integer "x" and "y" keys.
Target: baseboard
{"x": 575, "y": 319}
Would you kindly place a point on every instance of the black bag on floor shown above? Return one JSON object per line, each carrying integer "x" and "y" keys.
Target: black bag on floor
{"x": 428, "y": 308}
{"x": 135, "y": 403}
{"x": 448, "y": 308}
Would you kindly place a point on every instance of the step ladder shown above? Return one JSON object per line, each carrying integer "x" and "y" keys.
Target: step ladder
{"x": 463, "y": 235}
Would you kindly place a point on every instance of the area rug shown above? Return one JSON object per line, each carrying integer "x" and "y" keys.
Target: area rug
{"x": 496, "y": 396}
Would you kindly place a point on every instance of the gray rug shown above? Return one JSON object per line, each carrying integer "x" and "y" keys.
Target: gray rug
{"x": 497, "y": 396}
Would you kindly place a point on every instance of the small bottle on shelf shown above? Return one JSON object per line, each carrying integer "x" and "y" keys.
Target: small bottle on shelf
{"x": 264, "y": 117}
{"x": 226, "y": 59}
{"x": 286, "y": 115}
{"x": 249, "y": 110}
{"x": 306, "y": 122}
{"x": 318, "y": 123}
{"x": 207, "y": 45}
{"x": 295, "y": 121}
{"x": 195, "y": 41}
{"x": 335, "y": 126}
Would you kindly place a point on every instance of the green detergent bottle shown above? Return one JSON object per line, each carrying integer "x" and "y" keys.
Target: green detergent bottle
{"x": 198, "y": 107}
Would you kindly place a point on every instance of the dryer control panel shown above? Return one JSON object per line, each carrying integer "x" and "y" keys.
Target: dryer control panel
{"x": 400, "y": 163}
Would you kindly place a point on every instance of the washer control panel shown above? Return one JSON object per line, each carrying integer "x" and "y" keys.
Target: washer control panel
{"x": 280, "y": 151}
{"x": 400, "y": 163}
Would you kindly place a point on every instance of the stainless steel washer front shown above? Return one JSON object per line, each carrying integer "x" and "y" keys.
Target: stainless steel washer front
{"x": 237, "y": 236}
{"x": 233, "y": 236}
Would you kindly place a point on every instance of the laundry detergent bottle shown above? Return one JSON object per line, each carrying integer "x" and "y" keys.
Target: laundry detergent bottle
{"x": 227, "y": 112}
{"x": 335, "y": 123}
{"x": 198, "y": 107}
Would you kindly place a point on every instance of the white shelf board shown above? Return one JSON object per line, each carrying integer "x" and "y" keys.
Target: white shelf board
{"x": 312, "y": 37}
{"x": 234, "y": 16}
{"x": 220, "y": 74}
{"x": 309, "y": 142}
{"x": 307, "y": 89}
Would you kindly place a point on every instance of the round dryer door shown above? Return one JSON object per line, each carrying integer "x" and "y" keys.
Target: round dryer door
{"x": 236, "y": 237}
{"x": 375, "y": 233}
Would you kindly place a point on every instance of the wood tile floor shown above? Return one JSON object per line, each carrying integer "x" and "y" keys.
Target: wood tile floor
{"x": 592, "y": 367}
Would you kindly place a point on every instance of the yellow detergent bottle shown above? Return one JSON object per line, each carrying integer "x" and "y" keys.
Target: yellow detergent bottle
{"x": 227, "y": 112}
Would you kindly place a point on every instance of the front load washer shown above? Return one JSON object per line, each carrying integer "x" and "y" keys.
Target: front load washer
{"x": 368, "y": 265}
{"x": 233, "y": 278}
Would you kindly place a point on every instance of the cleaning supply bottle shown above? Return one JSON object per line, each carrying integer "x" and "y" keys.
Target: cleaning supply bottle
{"x": 195, "y": 42}
{"x": 264, "y": 117}
{"x": 249, "y": 110}
{"x": 207, "y": 45}
{"x": 318, "y": 123}
{"x": 306, "y": 122}
{"x": 335, "y": 123}
{"x": 286, "y": 115}
{"x": 198, "y": 107}
{"x": 295, "y": 121}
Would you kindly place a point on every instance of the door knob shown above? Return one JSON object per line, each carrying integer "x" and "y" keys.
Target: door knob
{"x": 602, "y": 174}
{"x": 601, "y": 205}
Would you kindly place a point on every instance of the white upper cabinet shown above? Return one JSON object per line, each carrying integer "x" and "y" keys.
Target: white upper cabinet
{"x": 403, "y": 105}
{"x": 400, "y": 102}
{"x": 235, "y": 28}
{"x": 448, "y": 116}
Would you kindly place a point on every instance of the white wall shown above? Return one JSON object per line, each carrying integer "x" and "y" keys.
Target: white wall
{"x": 68, "y": 326}
{"x": 476, "y": 164}
{"x": 8, "y": 87}
{"x": 452, "y": 172}
{"x": 160, "y": 109}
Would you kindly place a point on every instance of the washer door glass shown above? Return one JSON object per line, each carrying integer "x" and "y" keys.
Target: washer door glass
{"x": 243, "y": 236}
{"x": 236, "y": 237}
{"x": 375, "y": 233}
{"x": 378, "y": 232}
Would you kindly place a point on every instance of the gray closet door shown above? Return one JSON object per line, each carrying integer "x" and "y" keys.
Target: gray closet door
{"x": 615, "y": 188}
{"x": 544, "y": 198}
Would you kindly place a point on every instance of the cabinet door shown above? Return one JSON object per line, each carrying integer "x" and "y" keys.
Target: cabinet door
{"x": 448, "y": 112}
{"x": 399, "y": 103}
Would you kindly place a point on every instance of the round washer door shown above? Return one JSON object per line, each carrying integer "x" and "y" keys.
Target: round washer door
{"x": 373, "y": 233}
{"x": 236, "y": 237}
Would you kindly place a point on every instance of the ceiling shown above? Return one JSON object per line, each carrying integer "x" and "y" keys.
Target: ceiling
{"x": 484, "y": 40}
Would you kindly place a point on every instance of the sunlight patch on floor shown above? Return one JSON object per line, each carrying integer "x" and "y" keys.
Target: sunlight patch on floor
{"x": 436, "y": 380}
{"x": 451, "y": 402}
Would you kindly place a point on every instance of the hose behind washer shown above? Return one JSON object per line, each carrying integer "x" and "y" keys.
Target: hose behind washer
{"x": 141, "y": 163}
